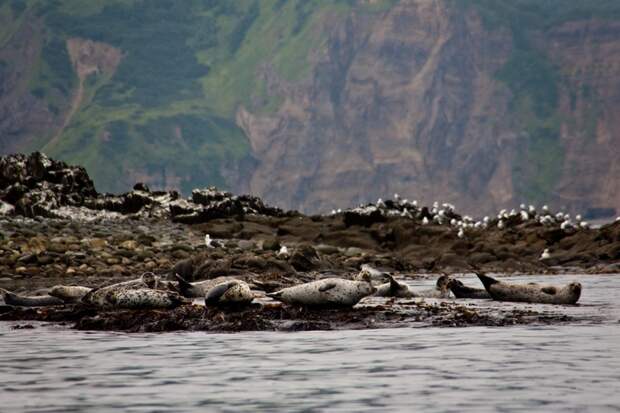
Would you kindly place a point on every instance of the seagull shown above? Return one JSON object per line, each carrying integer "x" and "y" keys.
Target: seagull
{"x": 545, "y": 254}
{"x": 461, "y": 233}
{"x": 209, "y": 241}
{"x": 424, "y": 221}
{"x": 283, "y": 251}
{"x": 500, "y": 224}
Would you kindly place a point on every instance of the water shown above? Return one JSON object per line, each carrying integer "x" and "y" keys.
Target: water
{"x": 567, "y": 367}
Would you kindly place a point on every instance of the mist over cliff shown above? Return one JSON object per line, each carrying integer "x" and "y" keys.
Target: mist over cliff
{"x": 317, "y": 105}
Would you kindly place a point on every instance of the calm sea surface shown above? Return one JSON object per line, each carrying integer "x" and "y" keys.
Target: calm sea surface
{"x": 568, "y": 367}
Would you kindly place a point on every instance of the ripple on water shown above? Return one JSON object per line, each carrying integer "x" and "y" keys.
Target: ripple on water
{"x": 570, "y": 367}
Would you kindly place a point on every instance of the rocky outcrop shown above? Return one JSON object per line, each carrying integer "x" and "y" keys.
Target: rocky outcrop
{"x": 36, "y": 185}
{"x": 412, "y": 102}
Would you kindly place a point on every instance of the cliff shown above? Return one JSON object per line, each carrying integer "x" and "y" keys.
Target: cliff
{"x": 314, "y": 106}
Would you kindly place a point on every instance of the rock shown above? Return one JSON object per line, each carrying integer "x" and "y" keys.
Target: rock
{"x": 246, "y": 245}
{"x": 304, "y": 258}
{"x": 129, "y": 245}
{"x": 271, "y": 244}
{"x": 353, "y": 251}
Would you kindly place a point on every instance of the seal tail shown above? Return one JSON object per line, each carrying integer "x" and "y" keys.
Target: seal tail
{"x": 9, "y": 297}
{"x": 486, "y": 280}
{"x": 275, "y": 294}
{"x": 184, "y": 285}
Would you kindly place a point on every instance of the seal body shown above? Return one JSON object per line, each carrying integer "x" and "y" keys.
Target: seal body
{"x": 329, "y": 292}
{"x": 460, "y": 290}
{"x": 531, "y": 293}
{"x": 99, "y": 296}
{"x": 394, "y": 289}
{"x": 143, "y": 298}
{"x": 441, "y": 289}
{"x": 234, "y": 293}
{"x": 25, "y": 301}
{"x": 198, "y": 289}
{"x": 69, "y": 293}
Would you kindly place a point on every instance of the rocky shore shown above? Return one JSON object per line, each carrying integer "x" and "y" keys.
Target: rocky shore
{"x": 56, "y": 229}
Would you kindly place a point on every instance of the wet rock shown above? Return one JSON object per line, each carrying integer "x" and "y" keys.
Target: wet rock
{"x": 305, "y": 258}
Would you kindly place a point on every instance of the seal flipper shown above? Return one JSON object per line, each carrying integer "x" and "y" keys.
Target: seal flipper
{"x": 549, "y": 290}
{"x": 394, "y": 285}
{"x": 327, "y": 286}
{"x": 215, "y": 293}
{"x": 184, "y": 285}
{"x": 86, "y": 298}
{"x": 486, "y": 280}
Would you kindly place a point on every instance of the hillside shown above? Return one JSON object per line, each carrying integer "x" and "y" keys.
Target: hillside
{"x": 315, "y": 105}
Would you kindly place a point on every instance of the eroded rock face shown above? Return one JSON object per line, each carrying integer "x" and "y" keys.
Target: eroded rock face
{"x": 411, "y": 101}
{"x": 35, "y": 185}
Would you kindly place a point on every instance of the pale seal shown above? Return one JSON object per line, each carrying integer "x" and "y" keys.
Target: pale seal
{"x": 441, "y": 289}
{"x": 394, "y": 289}
{"x": 26, "y": 301}
{"x": 143, "y": 298}
{"x": 329, "y": 292}
{"x": 99, "y": 296}
{"x": 460, "y": 290}
{"x": 69, "y": 293}
{"x": 230, "y": 293}
{"x": 376, "y": 275}
{"x": 532, "y": 292}
{"x": 198, "y": 289}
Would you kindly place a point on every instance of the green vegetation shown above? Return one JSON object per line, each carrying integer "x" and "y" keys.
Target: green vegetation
{"x": 534, "y": 81}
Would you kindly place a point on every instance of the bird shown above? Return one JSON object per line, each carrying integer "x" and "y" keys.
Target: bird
{"x": 209, "y": 241}
{"x": 283, "y": 251}
{"x": 545, "y": 254}
{"x": 500, "y": 224}
{"x": 461, "y": 233}
{"x": 424, "y": 221}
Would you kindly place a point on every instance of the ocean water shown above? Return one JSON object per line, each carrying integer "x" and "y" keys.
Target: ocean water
{"x": 571, "y": 366}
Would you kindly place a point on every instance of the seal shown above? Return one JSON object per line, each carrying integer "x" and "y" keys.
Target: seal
{"x": 441, "y": 289}
{"x": 99, "y": 296}
{"x": 394, "y": 289}
{"x": 69, "y": 293}
{"x": 532, "y": 292}
{"x": 376, "y": 275}
{"x": 25, "y": 301}
{"x": 142, "y": 298}
{"x": 229, "y": 293}
{"x": 329, "y": 292}
{"x": 198, "y": 289}
{"x": 460, "y": 290}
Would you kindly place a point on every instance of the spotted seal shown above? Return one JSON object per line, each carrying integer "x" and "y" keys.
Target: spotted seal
{"x": 232, "y": 293}
{"x": 198, "y": 289}
{"x": 532, "y": 292}
{"x": 99, "y": 296}
{"x": 441, "y": 289}
{"x": 26, "y": 301}
{"x": 460, "y": 290}
{"x": 394, "y": 289}
{"x": 142, "y": 298}
{"x": 376, "y": 275}
{"x": 329, "y": 292}
{"x": 69, "y": 293}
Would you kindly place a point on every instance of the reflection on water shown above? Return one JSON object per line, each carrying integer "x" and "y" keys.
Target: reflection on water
{"x": 571, "y": 367}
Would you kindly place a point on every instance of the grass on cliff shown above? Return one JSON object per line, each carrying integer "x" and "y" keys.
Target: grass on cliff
{"x": 534, "y": 82}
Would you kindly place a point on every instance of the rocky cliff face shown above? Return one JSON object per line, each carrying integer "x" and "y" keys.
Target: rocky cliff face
{"x": 314, "y": 106}
{"x": 411, "y": 103}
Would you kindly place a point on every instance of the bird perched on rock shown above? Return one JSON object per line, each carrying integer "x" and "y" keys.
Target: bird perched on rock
{"x": 545, "y": 254}
{"x": 283, "y": 252}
